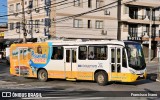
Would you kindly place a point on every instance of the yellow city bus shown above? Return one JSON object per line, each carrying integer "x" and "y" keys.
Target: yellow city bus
{"x": 95, "y": 60}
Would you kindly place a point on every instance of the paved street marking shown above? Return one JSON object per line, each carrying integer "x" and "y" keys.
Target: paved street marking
{"x": 69, "y": 98}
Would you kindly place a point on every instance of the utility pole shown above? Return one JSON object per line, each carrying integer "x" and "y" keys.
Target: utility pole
{"x": 23, "y": 22}
{"x": 31, "y": 25}
{"x": 30, "y": 7}
{"x": 48, "y": 19}
{"x": 119, "y": 20}
{"x": 150, "y": 38}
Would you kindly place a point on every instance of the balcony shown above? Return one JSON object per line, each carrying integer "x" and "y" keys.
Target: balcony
{"x": 140, "y": 17}
{"x": 156, "y": 18}
{"x": 155, "y": 36}
{"x": 134, "y": 36}
{"x": 145, "y": 3}
{"x": 142, "y": 36}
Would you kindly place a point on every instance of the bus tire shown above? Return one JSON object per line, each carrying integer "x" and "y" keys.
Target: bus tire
{"x": 101, "y": 78}
{"x": 42, "y": 75}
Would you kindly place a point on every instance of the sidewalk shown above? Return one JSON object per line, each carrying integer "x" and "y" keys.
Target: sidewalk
{"x": 155, "y": 60}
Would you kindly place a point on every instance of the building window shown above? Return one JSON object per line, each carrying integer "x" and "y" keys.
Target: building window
{"x": 30, "y": 23}
{"x": 89, "y": 24}
{"x": 18, "y": 7}
{"x": 25, "y": 2}
{"x": 36, "y": 3}
{"x": 82, "y": 53}
{"x": 11, "y": 8}
{"x": 133, "y": 30}
{"x": 11, "y": 26}
{"x": 18, "y": 25}
{"x": 36, "y": 23}
{"x": 97, "y": 52}
{"x": 99, "y": 3}
{"x": 99, "y": 24}
{"x": 30, "y": 4}
{"x": 78, "y": 23}
{"x": 147, "y": 11}
{"x": 89, "y": 3}
{"x": 57, "y": 53}
{"x": 77, "y": 3}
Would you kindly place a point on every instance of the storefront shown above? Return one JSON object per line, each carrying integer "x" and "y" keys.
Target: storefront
{"x": 2, "y": 48}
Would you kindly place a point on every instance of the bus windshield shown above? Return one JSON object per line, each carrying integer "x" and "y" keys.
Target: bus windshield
{"x": 135, "y": 55}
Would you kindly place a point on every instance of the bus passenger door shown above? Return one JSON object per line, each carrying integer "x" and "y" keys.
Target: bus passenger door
{"x": 22, "y": 68}
{"x": 116, "y": 63}
{"x": 71, "y": 63}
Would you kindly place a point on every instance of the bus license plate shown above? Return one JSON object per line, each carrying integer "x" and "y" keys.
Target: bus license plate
{"x": 141, "y": 75}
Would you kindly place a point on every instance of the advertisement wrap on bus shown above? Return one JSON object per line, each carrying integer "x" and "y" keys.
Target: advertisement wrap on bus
{"x": 100, "y": 61}
{"x": 30, "y": 58}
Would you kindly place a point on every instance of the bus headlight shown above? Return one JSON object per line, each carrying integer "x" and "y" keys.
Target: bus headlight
{"x": 133, "y": 72}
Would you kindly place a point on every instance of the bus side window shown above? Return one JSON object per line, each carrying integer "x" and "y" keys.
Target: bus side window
{"x": 124, "y": 59}
{"x": 82, "y": 53}
{"x": 67, "y": 55}
{"x": 97, "y": 52}
{"x": 57, "y": 53}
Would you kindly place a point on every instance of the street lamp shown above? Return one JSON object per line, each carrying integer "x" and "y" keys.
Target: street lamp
{"x": 31, "y": 21}
{"x": 150, "y": 32}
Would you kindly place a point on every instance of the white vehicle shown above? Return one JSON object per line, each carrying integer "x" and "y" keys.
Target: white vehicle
{"x": 109, "y": 60}
{"x": 7, "y": 55}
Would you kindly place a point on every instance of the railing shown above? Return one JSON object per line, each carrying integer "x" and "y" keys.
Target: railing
{"x": 144, "y": 34}
{"x": 155, "y": 18}
{"x": 154, "y": 34}
{"x": 141, "y": 17}
{"x": 149, "y": 1}
{"x": 133, "y": 34}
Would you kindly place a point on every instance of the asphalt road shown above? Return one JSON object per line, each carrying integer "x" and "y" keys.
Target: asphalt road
{"x": 84, "y": 90}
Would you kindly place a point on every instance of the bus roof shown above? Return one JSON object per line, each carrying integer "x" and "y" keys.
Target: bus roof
{"x": 81, "y": 42}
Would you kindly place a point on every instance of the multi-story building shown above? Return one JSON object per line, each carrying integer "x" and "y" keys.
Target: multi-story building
{"x": 135, "y": 22}
{"x": 34, "y": 18}
{"x": 100, "y": 24}
{"x": 103, "y": 19}
{"x": 84, "y": 24}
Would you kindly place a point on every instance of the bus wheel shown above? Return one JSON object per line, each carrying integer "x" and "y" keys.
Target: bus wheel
{"x": 101, "y": 78}
{"x": 42, "y": 75}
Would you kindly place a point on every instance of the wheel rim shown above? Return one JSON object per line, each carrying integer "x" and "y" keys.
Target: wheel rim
{"x": 100, "y": 78}
{"x": 42, "y": 75}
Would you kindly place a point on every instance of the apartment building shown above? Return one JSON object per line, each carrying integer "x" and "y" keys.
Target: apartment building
{"x": 135, "y": 23}
{"x": 35, "y": 16}
{"x": 100, "y": 24}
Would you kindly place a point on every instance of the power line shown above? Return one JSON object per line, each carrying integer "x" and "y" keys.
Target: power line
{"x": 40, "y": 8}
{"x": 91, "y": 11}
{"x": 34, "y": 9}
{"x": 64, "y": 7}
{"x": 81, "y": 14}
